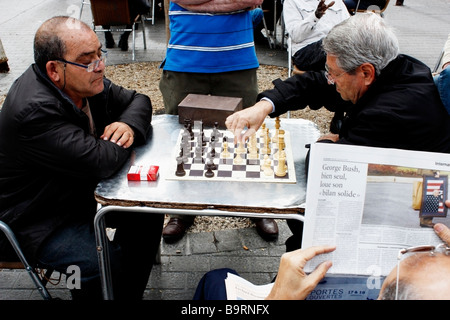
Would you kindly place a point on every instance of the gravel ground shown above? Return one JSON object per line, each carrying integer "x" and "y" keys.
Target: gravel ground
{"x": 144, "y": 78}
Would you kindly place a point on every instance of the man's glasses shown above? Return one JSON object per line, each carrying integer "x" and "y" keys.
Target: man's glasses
{"x": 91, "y": 66}
{"x": 442, "y": 248}
{"x": 330, "y": 78}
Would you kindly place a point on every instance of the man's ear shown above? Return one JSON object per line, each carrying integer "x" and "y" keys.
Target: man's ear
{"x": 54, "y": 71}
{"x": 369, "y": 73}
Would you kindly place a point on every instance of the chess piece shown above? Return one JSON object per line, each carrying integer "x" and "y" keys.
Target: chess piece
{"x": 281, "y": 167}
{"x": 198, "y": 155}
{"x": 266, "y": 148}
{"x": 277, "y": 129}
{"x": 209, "y": 173}
{"x": 268, "y": 171}
{"x": 241, "y": 148}
{"x": 180, "y": 168}
{"x": 238, "y": 159}
{"x": 225, "y": 153}
{"x": 212, "y": 164}
{"x": 266, "y": 162}
{"x": 188, "y": 123}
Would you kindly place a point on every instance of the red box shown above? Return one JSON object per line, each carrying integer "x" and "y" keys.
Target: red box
{"x": 143, "y": 172}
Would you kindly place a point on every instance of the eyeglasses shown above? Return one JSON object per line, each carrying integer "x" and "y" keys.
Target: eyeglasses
{"x": 331, "y": 79}
{"x": 91, "y": 66}
{"x": 442, "y": 248}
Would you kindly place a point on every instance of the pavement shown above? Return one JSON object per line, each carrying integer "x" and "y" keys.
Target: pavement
{"x": 422, "y": 28}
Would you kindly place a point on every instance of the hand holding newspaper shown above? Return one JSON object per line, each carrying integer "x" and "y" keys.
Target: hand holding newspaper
{"x": 363, "y": 200}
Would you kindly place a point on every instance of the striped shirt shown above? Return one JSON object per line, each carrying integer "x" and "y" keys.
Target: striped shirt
{"x": 210, "y": 43}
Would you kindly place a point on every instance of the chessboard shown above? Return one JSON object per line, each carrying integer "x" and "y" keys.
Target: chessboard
{"x": 211, "y": 155}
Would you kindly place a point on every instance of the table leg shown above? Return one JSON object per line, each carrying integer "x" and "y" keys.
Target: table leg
{"x": 102, "y": 241}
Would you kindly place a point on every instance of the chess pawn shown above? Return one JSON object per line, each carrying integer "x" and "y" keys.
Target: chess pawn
{"x": 209, "y": 172}
{"x": 241, "y": 148}
{"x": 225, "y": 153}
{"x": 268, "y": 171}
{"x": 266, "y": 162}
{"x": 238, "y": 159}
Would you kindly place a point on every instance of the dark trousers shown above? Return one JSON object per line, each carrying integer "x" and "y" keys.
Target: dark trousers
{"x": 132, "y": 254}
{"x": 175, "y": 86}
{"x": 212, "y": 285}
{"x": 310, "y": 58}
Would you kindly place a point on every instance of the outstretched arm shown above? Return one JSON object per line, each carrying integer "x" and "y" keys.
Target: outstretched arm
{"x": 249, "y": 119}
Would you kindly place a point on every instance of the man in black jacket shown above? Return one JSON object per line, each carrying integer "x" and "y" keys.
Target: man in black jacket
{"x": 63, "y": 128}
{"x": 389, "y": 99}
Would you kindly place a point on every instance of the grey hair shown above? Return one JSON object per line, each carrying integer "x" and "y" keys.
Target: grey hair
{"x": 406, "y": 291}
{"x": 362, "y": 38}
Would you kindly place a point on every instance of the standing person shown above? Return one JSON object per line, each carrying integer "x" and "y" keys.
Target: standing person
{"x": 307, "y": 23}
{"x": 63, "y": 128}
{"x": 382, "y": 92}
{"x": 210, "y": 51}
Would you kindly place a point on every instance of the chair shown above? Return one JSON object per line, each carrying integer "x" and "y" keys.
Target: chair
{"x": 438, "y": 62}
{"x": 152, "y": 19}
{"x": 39, "y": 281}
{"x": 116, "y": 14}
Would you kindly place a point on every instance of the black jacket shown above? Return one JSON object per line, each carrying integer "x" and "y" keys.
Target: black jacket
{"x": 402, "y": 109}
{"x": 49, "y": 163}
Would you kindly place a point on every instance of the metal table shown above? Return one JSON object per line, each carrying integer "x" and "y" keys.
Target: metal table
{"x": 207, "y": 198}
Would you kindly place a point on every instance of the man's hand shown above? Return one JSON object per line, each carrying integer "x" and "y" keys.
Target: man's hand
{"x": 119, "y": 133}
{"x": 292, "y": 283}
{"x": 329, "y": 136}
{"x": 322, "y": 8}
{"x": 442, "y": 230}
{"x": 251, "y": 118}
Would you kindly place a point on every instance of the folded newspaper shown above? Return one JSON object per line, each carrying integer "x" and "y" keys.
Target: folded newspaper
{"x": 370, "y": 203}
{"x": 361, "y": 199}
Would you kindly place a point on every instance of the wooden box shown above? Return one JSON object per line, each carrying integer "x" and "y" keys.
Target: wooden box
{"x": 207, "y": 108}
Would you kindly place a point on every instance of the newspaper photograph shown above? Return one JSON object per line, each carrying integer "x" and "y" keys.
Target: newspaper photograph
{"x": 372, "y": 202}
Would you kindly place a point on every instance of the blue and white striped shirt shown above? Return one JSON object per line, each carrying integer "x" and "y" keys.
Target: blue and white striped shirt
{"x": 210, "y": 43}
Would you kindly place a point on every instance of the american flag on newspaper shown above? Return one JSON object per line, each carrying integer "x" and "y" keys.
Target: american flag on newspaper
{"x": 433, "y": 204}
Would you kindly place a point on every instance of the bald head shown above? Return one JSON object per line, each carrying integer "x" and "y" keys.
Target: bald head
{"x": 422, "y": 277}
{"x": 51, "y": 37}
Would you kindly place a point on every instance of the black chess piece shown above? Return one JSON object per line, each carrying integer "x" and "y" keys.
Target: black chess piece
{"x": 188, "y": 124}
{"x": 180, "y": 168}
{"x": 212, "y": 164}
{"x": 209, "y": 173}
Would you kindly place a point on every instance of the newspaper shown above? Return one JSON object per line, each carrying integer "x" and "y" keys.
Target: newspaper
{"x": 241, "y": 289}
{"x": 360, "y": 199}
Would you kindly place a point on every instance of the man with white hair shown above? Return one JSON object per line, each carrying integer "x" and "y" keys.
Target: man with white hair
{"x": 389, "y": 99}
